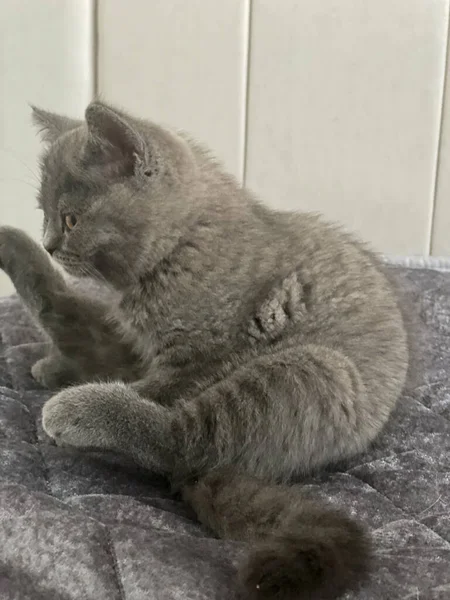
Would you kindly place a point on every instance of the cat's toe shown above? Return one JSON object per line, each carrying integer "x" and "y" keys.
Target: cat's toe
{"x": 54, "y": 372}
{"x": 43, "y": 375}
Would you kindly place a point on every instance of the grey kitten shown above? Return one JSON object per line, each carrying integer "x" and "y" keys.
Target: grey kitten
{"x": 242, "y": 346}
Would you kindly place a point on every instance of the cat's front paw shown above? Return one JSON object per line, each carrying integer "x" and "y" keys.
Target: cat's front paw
{"x": 28, "y": 265}
{"x": 80, "y": 417}
{"x": 10, "y": 238}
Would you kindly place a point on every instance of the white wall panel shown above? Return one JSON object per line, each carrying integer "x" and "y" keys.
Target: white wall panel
{"x": 46, "y": 59}
{"x": 344, "y": 112}
{"x": 180, "y": 63}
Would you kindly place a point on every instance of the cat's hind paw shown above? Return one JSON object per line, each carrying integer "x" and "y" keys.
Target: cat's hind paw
{"x": 93, "y": 415}
{"x": 74, "y": 418}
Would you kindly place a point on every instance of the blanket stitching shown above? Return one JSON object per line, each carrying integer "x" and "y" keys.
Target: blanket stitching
{"x": 45, "y": 469}
{"x": 115, "y": 562}
{"x": 412, "y": 517}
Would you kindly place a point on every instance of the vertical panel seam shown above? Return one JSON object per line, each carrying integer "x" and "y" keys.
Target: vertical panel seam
{"x": 94, "y": 58}
{"x": 437, "y": 166}
{"x": 247, "y": 26}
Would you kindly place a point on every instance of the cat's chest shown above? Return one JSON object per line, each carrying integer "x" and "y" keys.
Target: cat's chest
{"x": 135, "y": 329}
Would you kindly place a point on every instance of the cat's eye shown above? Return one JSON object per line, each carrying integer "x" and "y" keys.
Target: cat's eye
{"x": 69, "y": 222}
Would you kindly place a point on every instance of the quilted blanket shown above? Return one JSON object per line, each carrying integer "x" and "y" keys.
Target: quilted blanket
{"x": 78, "y": 526}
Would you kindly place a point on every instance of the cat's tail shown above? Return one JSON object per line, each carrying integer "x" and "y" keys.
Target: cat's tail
{"x": 299, "y": 548}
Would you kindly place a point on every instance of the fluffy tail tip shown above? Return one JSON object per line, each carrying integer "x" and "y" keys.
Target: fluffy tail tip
{"x": 320, "y": 560}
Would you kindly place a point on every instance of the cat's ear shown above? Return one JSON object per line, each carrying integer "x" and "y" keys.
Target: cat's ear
{"x": 51, "y": 125}
{"x": 114, "y": 145}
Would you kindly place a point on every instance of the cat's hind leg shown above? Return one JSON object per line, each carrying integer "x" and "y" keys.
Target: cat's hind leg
{"x": 289, "y": 411}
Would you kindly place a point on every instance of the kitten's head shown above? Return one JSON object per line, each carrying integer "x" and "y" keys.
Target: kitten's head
{"x": 116, "y": 192}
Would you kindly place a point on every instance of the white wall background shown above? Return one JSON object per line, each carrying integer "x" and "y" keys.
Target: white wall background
{"x": 340, "y": 106}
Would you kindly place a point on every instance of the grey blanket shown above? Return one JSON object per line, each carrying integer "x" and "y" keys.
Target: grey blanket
{"x": 89, "y": 526}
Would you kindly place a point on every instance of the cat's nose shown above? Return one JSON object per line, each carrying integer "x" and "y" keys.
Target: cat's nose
{"x": 50, "y": 243}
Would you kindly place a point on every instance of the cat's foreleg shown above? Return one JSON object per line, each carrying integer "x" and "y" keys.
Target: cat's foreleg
{"x": 84, "y": 340}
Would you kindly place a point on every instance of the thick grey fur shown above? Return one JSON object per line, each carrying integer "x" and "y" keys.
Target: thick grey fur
{"x": 236, "y": 346}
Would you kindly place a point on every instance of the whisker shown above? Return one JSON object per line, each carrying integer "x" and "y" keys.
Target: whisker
{"x": 8, "y": 150}
{"x": 17, "y": 180}
{"x": 93, "y": 272}
{"x": 72, "y": 263}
